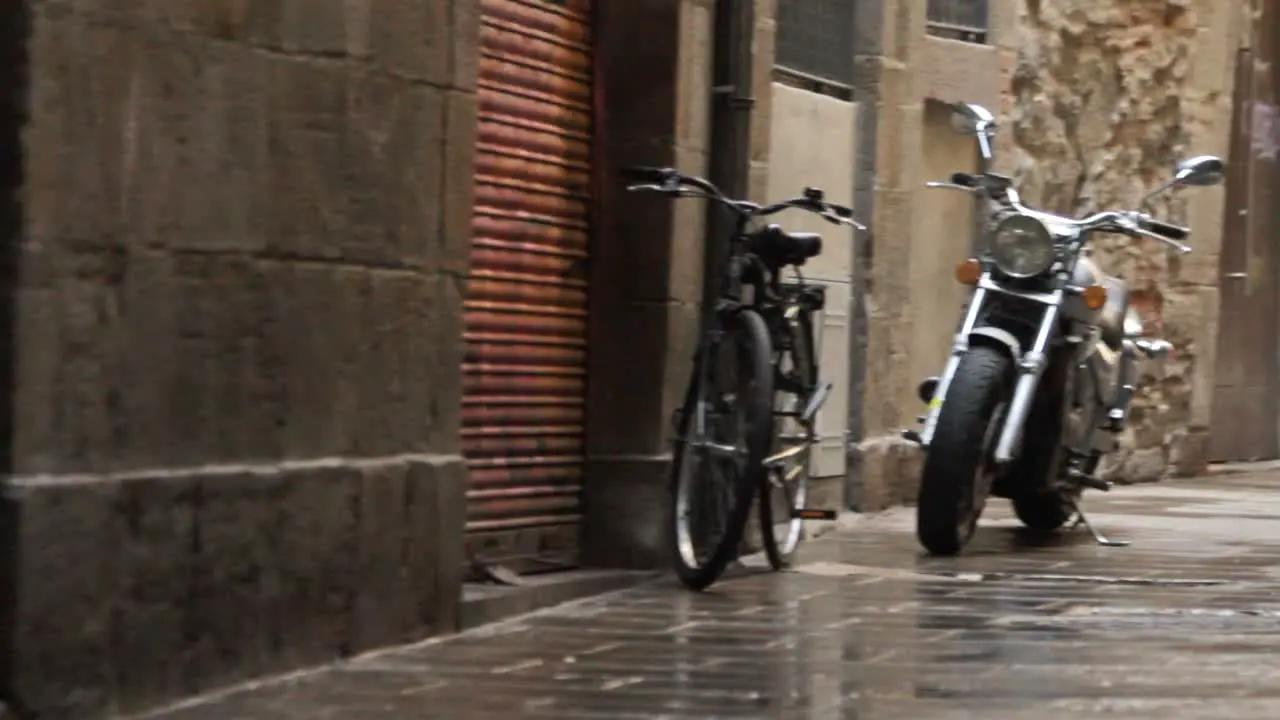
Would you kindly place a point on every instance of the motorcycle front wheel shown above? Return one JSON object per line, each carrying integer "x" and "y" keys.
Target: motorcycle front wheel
{"x": 958, "y": 473}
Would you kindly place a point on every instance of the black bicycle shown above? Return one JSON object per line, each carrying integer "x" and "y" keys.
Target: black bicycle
{"x": 754, "y": 364}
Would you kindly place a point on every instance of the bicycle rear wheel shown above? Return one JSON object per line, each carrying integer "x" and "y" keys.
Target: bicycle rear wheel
{"x": 715, "y": 475}
{"x": 787, "y": 489}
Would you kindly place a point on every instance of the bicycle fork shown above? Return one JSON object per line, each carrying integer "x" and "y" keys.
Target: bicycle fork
{"x": 699, "y": 437}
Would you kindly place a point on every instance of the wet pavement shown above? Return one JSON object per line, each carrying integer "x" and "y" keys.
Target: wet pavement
{"x": 1185, "y": 623}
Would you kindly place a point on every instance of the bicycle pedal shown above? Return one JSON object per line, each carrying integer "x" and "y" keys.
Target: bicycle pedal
{"x": 815, "y": 403}
{"x": 813, "y": 514}
{"x": 780, "y": 458}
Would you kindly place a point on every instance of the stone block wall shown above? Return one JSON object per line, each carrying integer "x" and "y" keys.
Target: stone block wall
{"x": 237, "y": 318}
{"x": 1107, "y": 98}
{"x": 1096, "y": 102}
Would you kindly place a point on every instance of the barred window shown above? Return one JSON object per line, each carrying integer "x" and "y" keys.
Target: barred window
{"x": 815, "y": 37}
{"x": 964, "y": 20}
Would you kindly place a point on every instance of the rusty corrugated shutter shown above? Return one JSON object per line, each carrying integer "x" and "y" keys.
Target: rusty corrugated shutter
{"x": 526, "y": 307}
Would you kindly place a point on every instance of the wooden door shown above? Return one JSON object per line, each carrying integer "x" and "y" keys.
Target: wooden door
{"x": 1245, "y": 407}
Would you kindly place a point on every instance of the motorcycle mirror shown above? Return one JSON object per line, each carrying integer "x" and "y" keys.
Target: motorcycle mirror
{"x": 1200, "y": 171}
{"x": 968, "y": 118}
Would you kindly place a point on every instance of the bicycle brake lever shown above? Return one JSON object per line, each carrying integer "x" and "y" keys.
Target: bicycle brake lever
{"x": 836, "y": 219}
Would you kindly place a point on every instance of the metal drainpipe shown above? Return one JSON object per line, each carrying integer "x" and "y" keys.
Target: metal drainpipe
{"x": 730, "y": 142}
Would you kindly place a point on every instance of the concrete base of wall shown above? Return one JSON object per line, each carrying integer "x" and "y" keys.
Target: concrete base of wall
{"x": 626, "y": 523}
{"x": 131, "y": 590}
{"x": 484, "y": 604}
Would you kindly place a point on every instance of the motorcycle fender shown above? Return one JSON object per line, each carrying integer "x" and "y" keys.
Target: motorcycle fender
{"x": 994, "y": 336}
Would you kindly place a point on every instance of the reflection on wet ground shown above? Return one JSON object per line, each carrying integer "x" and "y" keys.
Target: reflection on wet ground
{"x": 1183, "y": 624}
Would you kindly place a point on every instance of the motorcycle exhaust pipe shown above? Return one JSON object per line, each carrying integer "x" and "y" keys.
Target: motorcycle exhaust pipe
{"x": 1154, "y": 349}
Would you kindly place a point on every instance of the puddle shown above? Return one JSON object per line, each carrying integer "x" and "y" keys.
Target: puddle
{"x": 1089, "y": 579}
{"x": 838, "y": 569}
{"x": 1184, "y": 619}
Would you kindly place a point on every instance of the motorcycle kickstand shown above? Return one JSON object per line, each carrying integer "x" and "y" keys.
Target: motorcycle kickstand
{"x": 1082, "y": 519}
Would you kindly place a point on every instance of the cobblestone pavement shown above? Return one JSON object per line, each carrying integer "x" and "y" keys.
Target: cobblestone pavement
{"x": 1182, "y": 624}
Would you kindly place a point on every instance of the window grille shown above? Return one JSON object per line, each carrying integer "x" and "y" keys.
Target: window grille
{"x": 815, "y": 38}
{"x": 964, "y": 20}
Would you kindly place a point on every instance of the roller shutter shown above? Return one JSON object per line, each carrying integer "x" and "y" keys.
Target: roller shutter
{"x": 526, "y": 306}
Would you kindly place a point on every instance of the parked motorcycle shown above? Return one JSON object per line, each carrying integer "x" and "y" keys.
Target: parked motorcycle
{"x": 1044, "y": 365}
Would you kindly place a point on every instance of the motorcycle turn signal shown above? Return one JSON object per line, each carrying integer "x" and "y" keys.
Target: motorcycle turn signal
{"x": 969, "y": 272}
{"x": 1094, "y": 296}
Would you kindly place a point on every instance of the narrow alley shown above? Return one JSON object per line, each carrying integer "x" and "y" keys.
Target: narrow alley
{"x": 1180, "y": 624}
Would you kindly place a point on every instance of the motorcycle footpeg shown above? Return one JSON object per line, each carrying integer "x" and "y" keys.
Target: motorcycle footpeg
{"x": 813, "y": 514}
{"x": 1089, "y": 481}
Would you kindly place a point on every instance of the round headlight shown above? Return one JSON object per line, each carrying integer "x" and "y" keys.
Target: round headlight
{"x": 1022, "y": 247}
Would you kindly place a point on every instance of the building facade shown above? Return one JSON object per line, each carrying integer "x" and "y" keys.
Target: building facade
{"x": 320, "y": 311}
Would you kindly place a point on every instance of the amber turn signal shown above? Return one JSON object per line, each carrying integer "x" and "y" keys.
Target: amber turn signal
{"x": 1095, "y": 296}
{"x": 968, "y": 272}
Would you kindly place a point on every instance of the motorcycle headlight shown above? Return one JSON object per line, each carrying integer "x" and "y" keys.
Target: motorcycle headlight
{"x": 1022, "y": 247}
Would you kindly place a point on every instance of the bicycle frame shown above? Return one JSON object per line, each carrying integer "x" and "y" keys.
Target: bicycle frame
{"x": 727, "y": 300}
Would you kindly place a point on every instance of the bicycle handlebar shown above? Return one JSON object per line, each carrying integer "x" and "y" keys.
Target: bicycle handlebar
{"x": 673, "y": 182}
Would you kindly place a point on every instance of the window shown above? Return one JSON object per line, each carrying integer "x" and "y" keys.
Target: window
{"x": 815, "y": 38}
{"x": 964, "y": 20}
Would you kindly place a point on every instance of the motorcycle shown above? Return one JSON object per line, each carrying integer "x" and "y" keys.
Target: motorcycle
{"x": 1043, "y": 368}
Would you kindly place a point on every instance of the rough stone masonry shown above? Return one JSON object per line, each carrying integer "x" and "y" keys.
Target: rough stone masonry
{"x": 1107, "y": 98}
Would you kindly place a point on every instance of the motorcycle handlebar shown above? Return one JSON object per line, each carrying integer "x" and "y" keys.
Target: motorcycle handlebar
{"x": 1173, "y": 232}
{"x": 1129, "y": 223}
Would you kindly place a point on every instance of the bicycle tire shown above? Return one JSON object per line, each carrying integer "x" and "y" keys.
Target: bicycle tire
{"x": 781, "y": 553}
{"x": 747, "y": 331}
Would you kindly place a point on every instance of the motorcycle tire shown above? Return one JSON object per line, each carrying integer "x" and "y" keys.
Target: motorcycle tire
{"x": 748, "y": 338}
{"x": 957, "y": 475}
{"x": 1039, "y": 465}
{"x": 1042, "y": 512}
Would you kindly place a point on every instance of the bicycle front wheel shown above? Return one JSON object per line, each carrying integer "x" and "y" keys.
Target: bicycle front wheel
{"x": 722, "y": 438}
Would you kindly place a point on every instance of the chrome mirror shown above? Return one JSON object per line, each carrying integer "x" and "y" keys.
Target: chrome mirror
{"x": 1200, "y": 171}
{"x": 968, "y": 118}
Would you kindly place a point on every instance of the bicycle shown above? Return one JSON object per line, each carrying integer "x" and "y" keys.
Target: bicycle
{"x": 755, "y": 352}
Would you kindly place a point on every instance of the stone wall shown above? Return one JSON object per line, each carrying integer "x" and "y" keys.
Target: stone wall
{"x": 235, "y": 446}
{"x": 1107, "y": 97}
{"x": 1097, "y": 100}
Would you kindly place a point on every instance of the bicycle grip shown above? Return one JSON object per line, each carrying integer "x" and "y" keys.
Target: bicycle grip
{"x": 642, "y": 174}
